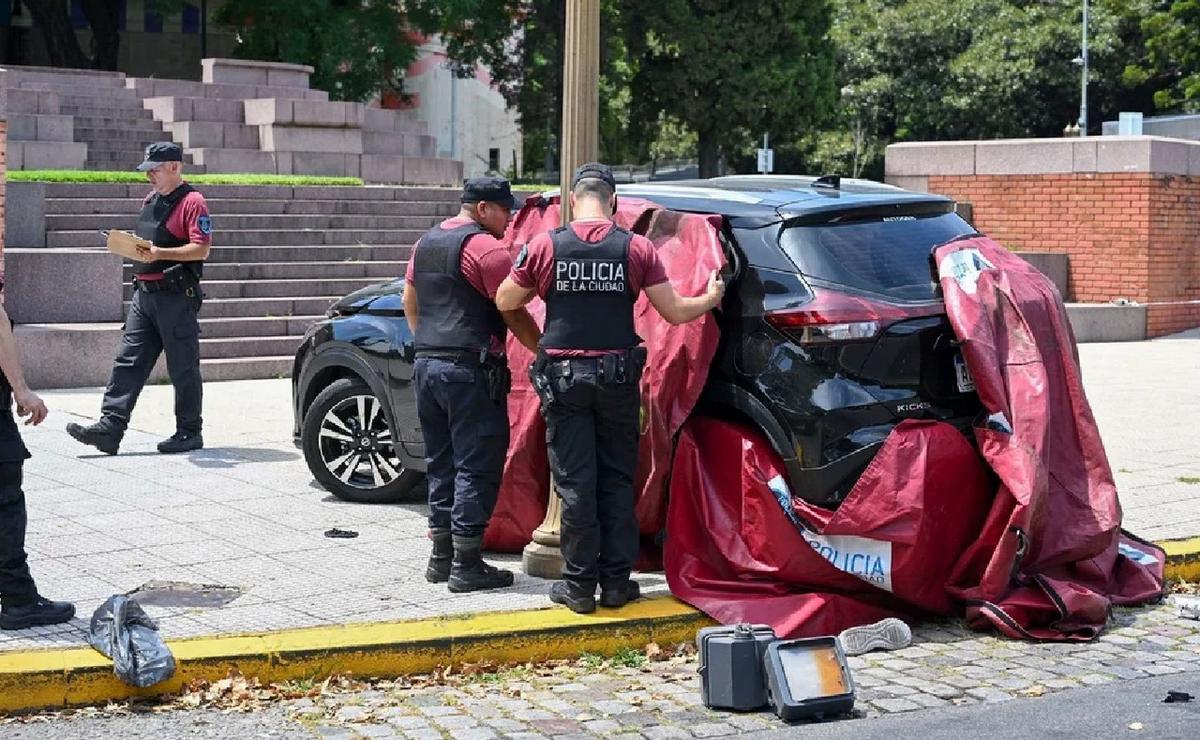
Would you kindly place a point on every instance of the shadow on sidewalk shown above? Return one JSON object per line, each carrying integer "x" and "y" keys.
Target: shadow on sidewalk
{"x": 216, "y": 457}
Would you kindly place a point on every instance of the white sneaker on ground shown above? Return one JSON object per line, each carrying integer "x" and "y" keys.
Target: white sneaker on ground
{"x": 886, "y": 634}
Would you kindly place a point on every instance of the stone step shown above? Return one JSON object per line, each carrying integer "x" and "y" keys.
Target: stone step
{"x": 300, "y": 269}
{"x": 245, "y": 368}
{"x": 200, "y": 134}
{"x": 151, "y": 87}
{"x": 266, "y": 237}
{"x": 404, "y": 193}
{"x": 254, "y": 326}
{"x": 221, "y": 207}
{"x": 278, "y": 288}
{"x": 172, "y": 108}
{"x": 117, "y": 123}
{"x": 216, "y": 308}
{"x": 93, "y": 96}
{"x": 134, "y": 134}
{"x": 332, "y": 253}
{"x": 108, "y": 111}
{"x": 249, "y": 346}
{"x": 225, "y": 222}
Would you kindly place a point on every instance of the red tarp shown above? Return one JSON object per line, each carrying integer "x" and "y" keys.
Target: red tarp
{"x": 926, "y": 529}
{"x": 679, "y": 357}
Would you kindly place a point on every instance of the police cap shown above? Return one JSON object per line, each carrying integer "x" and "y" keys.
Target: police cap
{"x": 159, "y": 152}
{"x": 594, "y": 170}
{"x": 492, "y": 189}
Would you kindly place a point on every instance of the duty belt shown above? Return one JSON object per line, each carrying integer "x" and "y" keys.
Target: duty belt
{"x": 463, "y": 357}
{"x": 614, "y": 367}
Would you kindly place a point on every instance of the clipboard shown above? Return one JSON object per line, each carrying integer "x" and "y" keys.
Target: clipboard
{"x": 125, "y": 244}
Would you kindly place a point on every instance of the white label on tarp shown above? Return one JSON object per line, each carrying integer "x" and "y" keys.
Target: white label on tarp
{"x": 870, "y": 560}
{"x": 965, "y": 266}
{"x": 1141, "y": 557}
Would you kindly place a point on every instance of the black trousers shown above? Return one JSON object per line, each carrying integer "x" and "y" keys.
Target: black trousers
{"x": 163, "y": 321}
{"x": 466, "y": 440}
{"x": 16, "y": 585}
{"x": 592, "y": 436}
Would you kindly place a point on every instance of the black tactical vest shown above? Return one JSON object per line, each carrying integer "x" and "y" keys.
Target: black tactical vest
{"x": 451, "y": 314}
{"x": 152, "y": 226}
{"x": 589, "y": 304}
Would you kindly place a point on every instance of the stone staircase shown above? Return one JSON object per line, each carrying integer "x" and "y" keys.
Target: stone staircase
{"x": 281, "y": 255}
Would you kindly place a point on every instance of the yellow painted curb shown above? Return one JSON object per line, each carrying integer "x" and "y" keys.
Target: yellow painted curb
{"x": 39, "y": 679}
{"x": 1183, "y": 559}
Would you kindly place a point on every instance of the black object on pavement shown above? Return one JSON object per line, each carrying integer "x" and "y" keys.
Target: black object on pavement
{"x": 1174, "y": 697}
{"x": 341, "y": 534}
{"x": 731, "y": 666}
{"x": 121, "y": 630}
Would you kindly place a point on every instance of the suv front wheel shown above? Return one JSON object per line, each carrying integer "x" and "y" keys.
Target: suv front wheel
{"x": 349, "y": 446}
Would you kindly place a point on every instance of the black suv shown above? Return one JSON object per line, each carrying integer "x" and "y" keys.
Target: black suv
{"x": 832, "y": 332}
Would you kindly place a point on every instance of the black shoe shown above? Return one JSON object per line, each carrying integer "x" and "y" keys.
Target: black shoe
{"x": 40, "y": 612}
{"x": 617, "y": 596}
{"x": 97, "y": 436}
{"x": 468, "y": 571}
{"x": 181, "y": 442}
{"x": 438, "y": 570}
{"x": 561, "y": 593}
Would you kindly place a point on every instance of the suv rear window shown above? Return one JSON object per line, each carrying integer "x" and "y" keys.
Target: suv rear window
{"x": 887, "y": 256}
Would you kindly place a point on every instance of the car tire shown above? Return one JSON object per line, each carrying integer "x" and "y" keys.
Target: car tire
{"x": 347, "y": 444}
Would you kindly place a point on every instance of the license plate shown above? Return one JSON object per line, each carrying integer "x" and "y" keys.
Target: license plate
{"x": 963, "y": 375}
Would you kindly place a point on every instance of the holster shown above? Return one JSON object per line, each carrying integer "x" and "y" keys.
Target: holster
{"x": 498, "y": 377}
{"x": 183, "y": 279}
{"x": 541, "y": 384}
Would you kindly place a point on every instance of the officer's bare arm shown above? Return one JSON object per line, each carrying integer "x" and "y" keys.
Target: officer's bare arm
{"x": 523, "y": 327}
{"x": 28, "y": 402}
{"x": 410, "y": 306}
{"x": 510, "y": 296}
{"x": 677, "y": 309}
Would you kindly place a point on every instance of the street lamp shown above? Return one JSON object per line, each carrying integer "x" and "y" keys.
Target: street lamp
{"x": 1082, "y": 61}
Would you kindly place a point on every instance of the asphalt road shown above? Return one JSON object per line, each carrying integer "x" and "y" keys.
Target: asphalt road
{"x": 1112, "y": 711}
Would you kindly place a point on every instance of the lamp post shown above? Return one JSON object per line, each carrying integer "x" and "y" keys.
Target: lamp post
{"x": 580, "y": 143}
{"x": 1082, "y": 61}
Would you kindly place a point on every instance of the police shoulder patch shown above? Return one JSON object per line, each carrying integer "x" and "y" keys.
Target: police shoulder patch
{"x": 522, "y": 256}
{"x": 205, "y": 224}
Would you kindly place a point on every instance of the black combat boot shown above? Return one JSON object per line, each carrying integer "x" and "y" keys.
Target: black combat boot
{"x": 40, "y": 611}
{"x": 617, "y": 595}
{"x": 181, "y": 442}
{"x": 468, "y": 571}
{"x": 580, "y": 603}
{"x": 97, "y": 435}
{"x": 438, "y": 570}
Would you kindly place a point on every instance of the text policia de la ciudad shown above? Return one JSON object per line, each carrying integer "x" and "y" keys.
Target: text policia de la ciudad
{"x": 590, "y": 276}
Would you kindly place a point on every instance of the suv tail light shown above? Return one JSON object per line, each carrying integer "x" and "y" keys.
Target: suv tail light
{"x": 837, "y": 317}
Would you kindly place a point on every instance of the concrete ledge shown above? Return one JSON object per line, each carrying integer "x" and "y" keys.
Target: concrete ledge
{"x": 46, "y": 155}
{"x": 1097, "y": 154}
{"x": 54, "y": 678}
{"x": 68, "y": 355}
{"x": 1183, "y": 559}
{"x": 1107, "y": 322}
{"x": 25, "y": 215}
{"x": 250, "y": 72}
{"x": 41, "y": 127}
{"x": 62, "y": 285}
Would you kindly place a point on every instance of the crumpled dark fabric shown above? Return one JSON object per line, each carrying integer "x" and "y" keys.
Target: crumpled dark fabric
{"x": 122, "y": 631}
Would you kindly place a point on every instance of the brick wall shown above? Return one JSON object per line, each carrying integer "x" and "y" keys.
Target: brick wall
{"x": 1129, "y": 235}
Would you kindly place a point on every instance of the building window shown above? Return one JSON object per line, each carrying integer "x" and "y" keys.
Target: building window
{"x": 191, "y": 18}
{"x": 494, "y": 159}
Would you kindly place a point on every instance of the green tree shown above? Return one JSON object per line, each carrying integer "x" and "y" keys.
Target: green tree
{"x": 730, "y": 70}
{"x": 357, "y": 48}
{"x": 1173, "y": 55}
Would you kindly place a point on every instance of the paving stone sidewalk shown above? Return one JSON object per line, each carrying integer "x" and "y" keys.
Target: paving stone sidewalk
{"x": 245, "y": 513}
{"x": 946, "y": 666}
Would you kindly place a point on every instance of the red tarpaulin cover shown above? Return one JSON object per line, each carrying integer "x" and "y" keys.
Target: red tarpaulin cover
{"x": 679, "y": 357}
{"x": 926, "y": 529}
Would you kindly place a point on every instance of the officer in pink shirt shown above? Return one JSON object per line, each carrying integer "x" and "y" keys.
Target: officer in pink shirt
{"x": 587, "y": 372}
{"x": 461, "y": 377}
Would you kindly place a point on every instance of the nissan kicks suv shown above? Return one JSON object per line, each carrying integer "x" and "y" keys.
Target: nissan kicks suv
{"x": 832, "y": 333}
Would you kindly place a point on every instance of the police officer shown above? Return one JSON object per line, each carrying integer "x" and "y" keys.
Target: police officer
{"x": 461, "y": 377}
{"x": 163, "y": 313}
{"x": 589, "y": 274}
{"x": 20, "y": 604}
